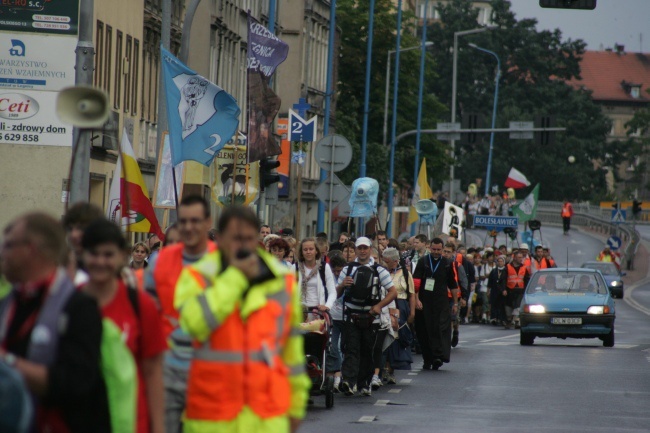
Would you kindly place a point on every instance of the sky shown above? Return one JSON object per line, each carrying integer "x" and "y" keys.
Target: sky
{"x": 612, "y": 22}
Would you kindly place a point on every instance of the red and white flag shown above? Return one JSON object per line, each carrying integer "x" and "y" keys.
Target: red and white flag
{"x": 516, "y": 179}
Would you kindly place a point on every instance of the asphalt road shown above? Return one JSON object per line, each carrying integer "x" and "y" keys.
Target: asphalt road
{"x": 495, "y": 385}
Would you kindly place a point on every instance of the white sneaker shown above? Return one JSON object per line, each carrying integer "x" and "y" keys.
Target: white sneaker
{"x": 366, "y": 392}
{"x": 375, "y": 383}
{"x": 337, "y": 382}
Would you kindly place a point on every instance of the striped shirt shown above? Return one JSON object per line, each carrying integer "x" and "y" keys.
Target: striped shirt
{"x": 385, "y": 283}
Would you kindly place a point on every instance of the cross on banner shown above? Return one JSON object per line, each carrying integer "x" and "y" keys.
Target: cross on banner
{"x": 301, "y": 107}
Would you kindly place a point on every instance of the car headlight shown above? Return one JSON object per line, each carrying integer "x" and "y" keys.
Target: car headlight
{"x": 534, "y": 309}
{"x": 616, "y": 283}
{"x": 598, "y": 309}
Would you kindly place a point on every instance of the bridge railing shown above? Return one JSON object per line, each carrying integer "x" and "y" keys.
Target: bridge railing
{"x": 628, "y": 235}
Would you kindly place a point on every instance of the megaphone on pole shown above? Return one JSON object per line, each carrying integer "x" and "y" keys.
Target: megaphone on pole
{"x": 84, "y": 107}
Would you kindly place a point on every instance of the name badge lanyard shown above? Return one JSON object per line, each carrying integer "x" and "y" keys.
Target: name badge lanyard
{"x": 431, "y": 264}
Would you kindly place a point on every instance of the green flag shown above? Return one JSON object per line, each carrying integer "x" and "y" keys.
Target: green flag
{"x": 526, "y": 210}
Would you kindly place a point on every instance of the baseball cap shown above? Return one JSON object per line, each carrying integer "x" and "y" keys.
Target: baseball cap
{"x": 523, "y": 246}
{"x": 363, "y": 241}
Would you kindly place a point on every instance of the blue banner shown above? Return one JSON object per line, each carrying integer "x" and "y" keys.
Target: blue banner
{"x": 496, "y": 222}
{"x": 202, "y": 117}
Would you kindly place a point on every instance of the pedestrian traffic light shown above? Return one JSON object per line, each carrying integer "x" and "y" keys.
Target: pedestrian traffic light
{"x": 568, "y": 4}
{"x": 545, "y": 138}
{"x": 636, "y": 207}
{"x": 268, "y": 175}
{"x": 615, "y": 206}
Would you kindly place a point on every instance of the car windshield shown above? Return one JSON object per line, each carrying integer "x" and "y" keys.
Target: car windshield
{"x": 604, "y": 268}
{"x": 566, "y": 283}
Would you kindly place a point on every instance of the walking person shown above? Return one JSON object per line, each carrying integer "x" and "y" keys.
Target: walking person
{"x": 517, "y": 279}
{"x": 243, "y": 307}
{"x": 496, "y": 286}
{"x": 433, "y": 279}
{"x": 567, "y": 213}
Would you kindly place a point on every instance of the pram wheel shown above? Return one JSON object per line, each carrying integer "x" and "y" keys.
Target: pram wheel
{"x": 329, "y": 393}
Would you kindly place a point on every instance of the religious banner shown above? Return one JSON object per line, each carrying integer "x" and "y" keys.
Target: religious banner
{"x": 234, "y": 181}
{"x": 265, "y": 53}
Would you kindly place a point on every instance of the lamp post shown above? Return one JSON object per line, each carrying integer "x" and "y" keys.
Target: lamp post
{"x": 488, "y": 177}
{"x": 453, "y": 97}
{"x": 366, "y": 98}
{"x": 390, "y": 53}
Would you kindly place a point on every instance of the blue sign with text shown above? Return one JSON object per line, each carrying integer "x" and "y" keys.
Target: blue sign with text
{"x": 496, "y": 221}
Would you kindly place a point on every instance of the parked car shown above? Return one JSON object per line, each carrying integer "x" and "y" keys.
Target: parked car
{"x": 567, "y": 303}
{"x": 612, "y": 274}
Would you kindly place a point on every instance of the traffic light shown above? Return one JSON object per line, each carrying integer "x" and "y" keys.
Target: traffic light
{"x": 268, "y": 175}
{"x": 545, "y": 138}
{"x": 615, "y": 206}
{"x": 636, "y": 207}
{"x": 568, "y": 4}
{"x": 471, "y": 121}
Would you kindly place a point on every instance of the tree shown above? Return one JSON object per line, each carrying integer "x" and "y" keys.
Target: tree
{"x": 536, "y": 66}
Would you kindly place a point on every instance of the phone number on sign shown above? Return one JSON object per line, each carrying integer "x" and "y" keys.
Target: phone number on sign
{"x": 24, "y": 137}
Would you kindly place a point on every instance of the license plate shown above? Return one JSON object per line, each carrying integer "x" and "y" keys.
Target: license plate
{"x": 566, "y": 320}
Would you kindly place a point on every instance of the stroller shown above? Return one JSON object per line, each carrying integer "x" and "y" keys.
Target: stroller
{"x": 317, "y": 334}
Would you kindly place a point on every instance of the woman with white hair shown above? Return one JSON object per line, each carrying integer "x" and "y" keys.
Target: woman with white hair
{"x": 399, "y": 352}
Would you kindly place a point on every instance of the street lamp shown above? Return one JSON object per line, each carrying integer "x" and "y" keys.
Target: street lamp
{"x": 390, "y": 53}
{"x": 488, "y": 177}
{"x": 453, "y": 97}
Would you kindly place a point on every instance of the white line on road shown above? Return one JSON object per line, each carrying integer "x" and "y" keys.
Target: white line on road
{"x": 500, "y": 338}
{"x": 382, "y": 402}
{"x": 629, "y": 300}
{"x": 406, "y": 381}
{"x": 412, "y": 374}
{"x": 367, "y": 418}
{"x": 395, "y": 391}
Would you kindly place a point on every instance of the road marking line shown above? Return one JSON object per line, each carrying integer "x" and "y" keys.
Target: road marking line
{"x": 499, "y": 343}
{"x": 367, "y": 418}
{"x": 382, "y": 402}
{"x": 631, "y": 302}
{"x": 412, "y": 374}
{"x": 406, "y": 381}
{"x": 625, "y": 346}
{"x": 394, "y": 391}
{"x": 500, "y": 338}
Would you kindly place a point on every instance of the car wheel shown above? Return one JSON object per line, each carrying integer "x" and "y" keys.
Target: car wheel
{"x": 608, "y": 340}
{"x": 526, "y": 339}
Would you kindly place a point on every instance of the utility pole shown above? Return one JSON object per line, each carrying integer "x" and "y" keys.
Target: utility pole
{"x": 84, "y": 67}
{"x": 165, "y": 40}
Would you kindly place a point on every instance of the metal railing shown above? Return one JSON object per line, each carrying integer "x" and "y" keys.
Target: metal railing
{"x": 628, "y": 234}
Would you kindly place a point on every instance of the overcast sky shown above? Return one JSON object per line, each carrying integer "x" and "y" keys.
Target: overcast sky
{"x": 613, "y": 21}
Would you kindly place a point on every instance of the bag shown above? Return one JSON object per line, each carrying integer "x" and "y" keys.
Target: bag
{"x": 405, "y": 335}
{"x": 16, "y": 408}
{"x": 365, "y": 290}
{"x": 394, "y": 318}
{"x": 362, "y": 320}
{"x": 120, "y": 372}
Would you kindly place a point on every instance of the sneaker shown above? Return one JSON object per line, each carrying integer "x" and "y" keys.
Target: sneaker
{"x": 454, "y": 339}
{"x": 366, "y": 392}
{"x": 337, "y": 383}
{"x": 375, "y": 383}
{"x": 347, "y": 389}
{"x": 392, "y": 380}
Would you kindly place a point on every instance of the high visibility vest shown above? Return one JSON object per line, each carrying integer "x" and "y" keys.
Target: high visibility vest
{"x": 528, "y": 263}
{"x": 542, "y": 264}
{"x": 605, "y": 257}
{"x": 168, "y": 267}
{"x": 515, "y": 276}
{"x": 566, "y": 210}
{"x": 241, "y": 365}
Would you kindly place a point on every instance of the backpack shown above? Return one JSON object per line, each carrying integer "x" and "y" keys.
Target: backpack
{"x": 120, "y": 372}
{"x": 365, "y": 290}
{"x": 16, "y": 407}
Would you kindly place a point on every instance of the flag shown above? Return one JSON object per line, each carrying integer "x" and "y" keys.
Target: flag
{"x": 526, "y": 210}
{"x": 516, "y": 179}
{"x": 422, "y": 192}
{"x": 202, "y": 117}
{"x": 128, "y": 203}
{"x": 265, "y": 53}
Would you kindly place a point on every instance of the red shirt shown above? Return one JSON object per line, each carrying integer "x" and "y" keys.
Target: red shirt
{"x": 144, "y": 337}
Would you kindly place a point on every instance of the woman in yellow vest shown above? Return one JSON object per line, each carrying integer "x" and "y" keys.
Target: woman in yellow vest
{"x": 247, "y": 374}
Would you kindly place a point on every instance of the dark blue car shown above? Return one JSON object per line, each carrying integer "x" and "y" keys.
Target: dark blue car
{"x": 612, "y": 275}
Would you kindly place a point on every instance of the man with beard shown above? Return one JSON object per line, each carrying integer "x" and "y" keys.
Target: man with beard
{"x": 433, "y": 278}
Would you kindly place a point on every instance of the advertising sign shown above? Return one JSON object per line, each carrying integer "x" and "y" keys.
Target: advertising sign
{"x": 28, "y": 117}
{"x": 60, "y": 17}
{"x": 284, "y": 157}
{"x": 36, "y": 62}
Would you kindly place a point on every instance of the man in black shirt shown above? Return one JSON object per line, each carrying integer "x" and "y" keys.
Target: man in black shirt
{"x": 50, "y": 332}
{"x": 435, "y": 279}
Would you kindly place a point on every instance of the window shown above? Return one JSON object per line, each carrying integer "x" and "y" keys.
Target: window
{"x": 635, "y": 92}
{"x": 99, "y": 55}
{"x": 127, "y": 73}
{"x": 118, "y": 70}
{"x": 107, "y": 55}
{"x": 135, "y": 67}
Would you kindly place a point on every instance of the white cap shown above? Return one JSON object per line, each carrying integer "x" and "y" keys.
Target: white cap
{"x": 363, "y": 241}
{"x": 523, "y": 246}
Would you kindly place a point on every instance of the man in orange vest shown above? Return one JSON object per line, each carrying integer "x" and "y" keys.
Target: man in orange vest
{"x": 567, "y": 213}
{"x": 160, "y": 279}
{"x": 243, "y": 308}
{"x": 540, "y": 261}
{"x": 518, "y": 276}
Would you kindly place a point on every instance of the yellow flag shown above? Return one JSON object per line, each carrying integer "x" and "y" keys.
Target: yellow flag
{"x": 422, "y": 192}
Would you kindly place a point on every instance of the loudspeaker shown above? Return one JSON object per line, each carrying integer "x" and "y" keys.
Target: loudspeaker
{"x": 427, "y": 211}
{"x": 84, "y": 107}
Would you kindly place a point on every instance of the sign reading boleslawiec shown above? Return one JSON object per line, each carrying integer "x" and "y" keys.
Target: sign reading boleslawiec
{"x": 500, "y": 222}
